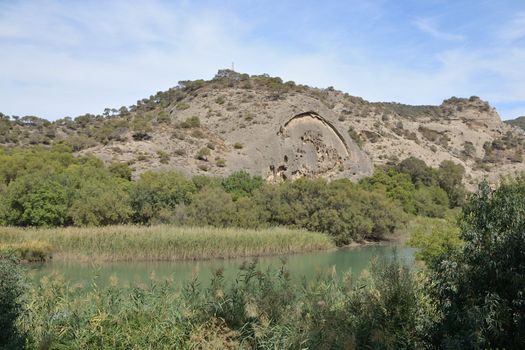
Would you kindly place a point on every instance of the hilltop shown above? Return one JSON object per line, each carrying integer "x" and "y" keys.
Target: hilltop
{"x": 281, "y": 130}
{"x": 519, "y": 122}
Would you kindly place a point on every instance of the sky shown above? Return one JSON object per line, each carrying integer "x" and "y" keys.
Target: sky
{"x": 65, "y": 57}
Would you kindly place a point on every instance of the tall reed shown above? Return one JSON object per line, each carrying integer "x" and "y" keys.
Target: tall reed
{"x": 163, "y": 242}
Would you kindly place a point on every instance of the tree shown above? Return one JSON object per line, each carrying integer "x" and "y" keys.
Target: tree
{"x": 450, "y": 176}
{"x": 159, "y": 192}
{"x": 396, "y": 185}
{"x": 101, "y": 203}
{"x": 35, "y": 200}
{"x": 241, "y": 184}
{"x": 431, "y": 201}
{"x": 478, "y": 289}
{"x": 418, "y": 170}
{"x": 211, "y": 206}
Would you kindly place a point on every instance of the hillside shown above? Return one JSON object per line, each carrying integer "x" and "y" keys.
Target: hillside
{"x": 281, "y": 130}
{"x": 519, "y": 122}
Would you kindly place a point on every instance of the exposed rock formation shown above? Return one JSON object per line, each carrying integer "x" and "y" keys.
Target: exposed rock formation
{"x": 280, "y": 130}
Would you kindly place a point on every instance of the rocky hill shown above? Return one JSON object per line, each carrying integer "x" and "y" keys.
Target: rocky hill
{"x": 519, "y": 122}
{"x": 281, "y": 130}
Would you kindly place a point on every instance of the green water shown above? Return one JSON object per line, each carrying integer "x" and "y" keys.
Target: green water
{"x": 306, "y": 265}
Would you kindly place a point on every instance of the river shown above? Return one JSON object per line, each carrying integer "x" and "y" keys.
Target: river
{"x": 307, "y": 265}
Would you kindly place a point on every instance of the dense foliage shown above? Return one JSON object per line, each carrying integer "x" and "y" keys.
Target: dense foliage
{"x": 11, "y": 290}
{"x": 468, "y": 295}
{"x": 479, "y": 287}
{"x": 49, "y": 187}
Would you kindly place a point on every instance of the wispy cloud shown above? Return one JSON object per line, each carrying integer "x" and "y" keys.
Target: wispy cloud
{"x": 67, "y": 58}
{"x": 430, "y": 27}
{"x": 514, "y": 29}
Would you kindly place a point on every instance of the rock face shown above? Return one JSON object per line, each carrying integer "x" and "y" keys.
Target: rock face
{"x": 309, "y": 145}
{"x": 280, "y": 130}
{"x": 305, "y": 144}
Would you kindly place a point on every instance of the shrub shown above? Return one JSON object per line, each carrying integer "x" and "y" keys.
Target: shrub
{"x": 355, "y": 136}
{"x": 477, "y": 289}
{"x": 434, "y": 238}
{"x": 141, "y": 136}
{"x": 36, "y": 200}
{"x": 120, "y": 170}
{"x": 180, "y": 152}
{"x": 418, "y": 170}
{"x": 198, "y": 134}
{"x": 241, "y": 184}
{"x": 164, "y": 157}
{"x": 431, "y": 201}
{"x": 203, "y": 153}
{"x": 182, "y": 106}
{"x": 157, "y": 192}
{"x": 211, "y": 206}
{"x": 101, "y": 202}
{"x": 191, "y": 122}
{"x": 11, "y": 291}
{"x": 468, "y": 149}
{"x": 450, "y": 177}
{"x": 238, "y": 145}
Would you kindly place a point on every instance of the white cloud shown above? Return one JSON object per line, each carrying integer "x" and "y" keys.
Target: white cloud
{"x": 430, "y": 27}
{"x": 67, "y": 59}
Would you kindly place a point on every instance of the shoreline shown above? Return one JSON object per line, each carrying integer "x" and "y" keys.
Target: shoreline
{"x": 84, "y": 259}
{"x": 166, "y": 243}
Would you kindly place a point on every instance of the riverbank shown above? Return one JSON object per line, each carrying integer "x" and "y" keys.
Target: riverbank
{"x": 162, "y": 242}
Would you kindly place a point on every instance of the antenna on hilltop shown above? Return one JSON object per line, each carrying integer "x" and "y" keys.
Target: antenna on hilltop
{"x": 233, "y": 67}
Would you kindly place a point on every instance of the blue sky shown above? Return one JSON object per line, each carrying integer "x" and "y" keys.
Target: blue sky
{"x": 65, "y": 58}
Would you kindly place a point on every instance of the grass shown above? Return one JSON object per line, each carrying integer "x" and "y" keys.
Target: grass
{"x": 163, "y": 242}
{"x": 28, "y": 250}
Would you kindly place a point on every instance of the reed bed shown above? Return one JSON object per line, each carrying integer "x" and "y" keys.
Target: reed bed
{"x": 165, "y": 242}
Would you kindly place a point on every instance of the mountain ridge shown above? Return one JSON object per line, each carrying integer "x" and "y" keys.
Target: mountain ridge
{"x": 281, "y": 130}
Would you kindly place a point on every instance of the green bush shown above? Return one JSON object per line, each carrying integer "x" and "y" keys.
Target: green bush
{"x": 11, "y": 291}
{"x": 431, "y": 201}
{"x": 434, "y": 237}
{"x": 477, "y": 288}
{"x": 418, "y": 170}
{"x": 449, "y": 177}
{"x": 395, "y": 185}
{"x": 241, "y": 184}
{"x": 203, "y": 153}
{"x": 36, "y": 200}
{"x": 211, "y": 206}
{"x": 101, "y": 203}
{"x": 191, "y": 122}
{"x": 158, "y": 193}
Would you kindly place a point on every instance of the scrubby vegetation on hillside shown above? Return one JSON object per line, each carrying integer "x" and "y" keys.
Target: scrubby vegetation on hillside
{"x": 49, "y": 187}
{"x": 519, "y": 122}
{"x": 136, "y": 121}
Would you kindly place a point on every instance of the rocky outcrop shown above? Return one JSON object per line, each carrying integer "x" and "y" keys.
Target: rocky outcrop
{"x": 281, "y": 130}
